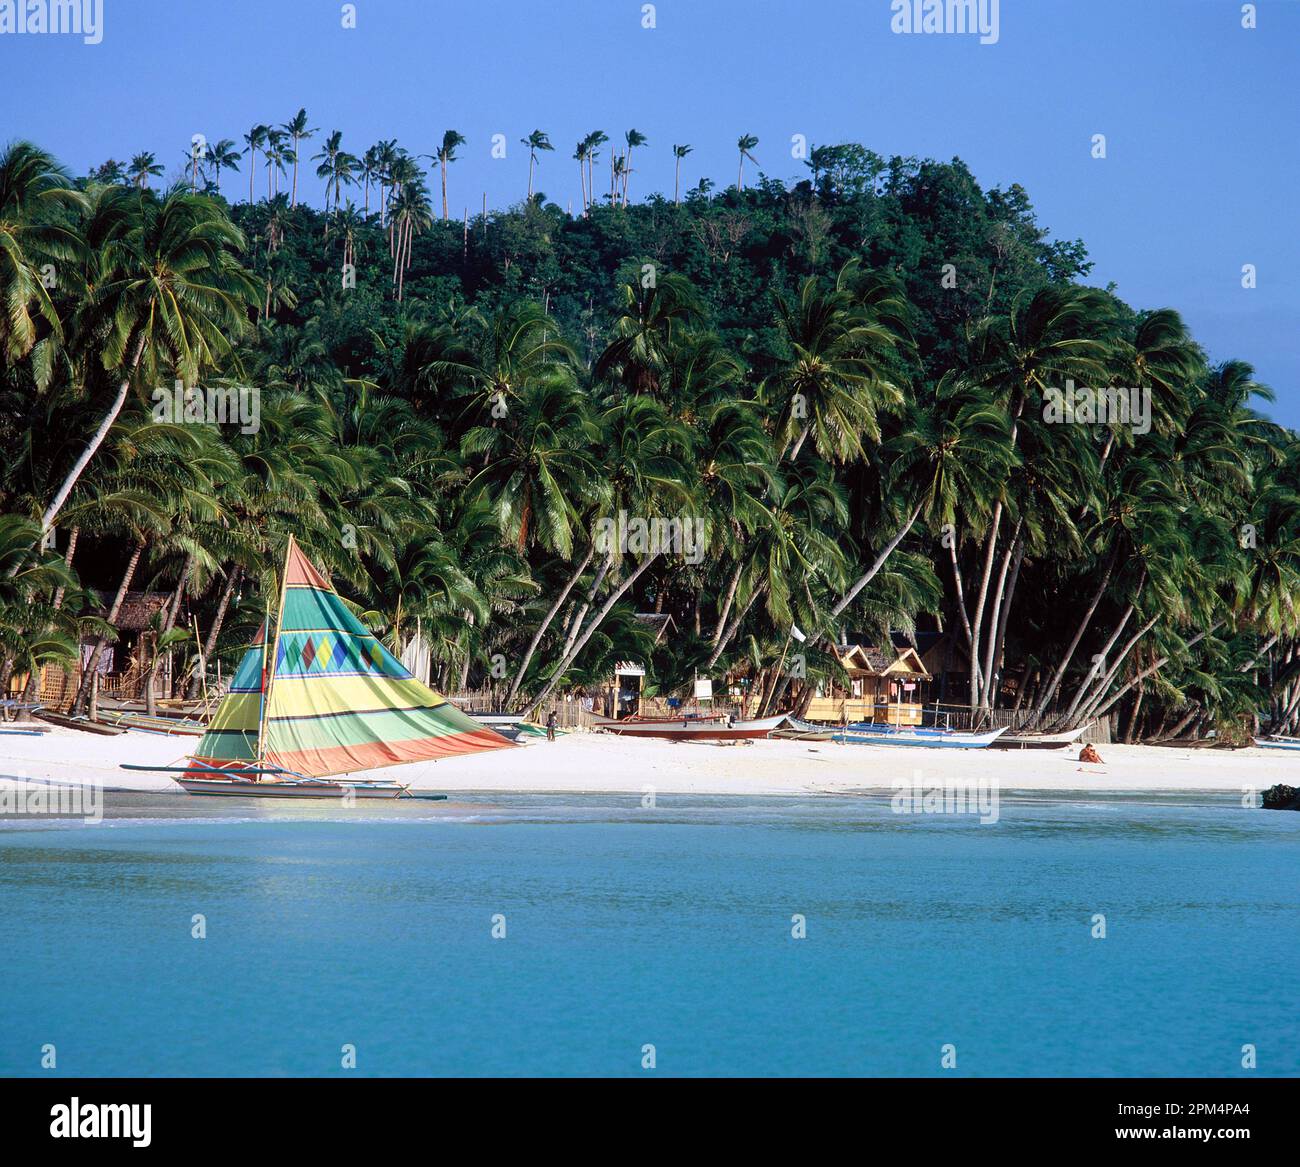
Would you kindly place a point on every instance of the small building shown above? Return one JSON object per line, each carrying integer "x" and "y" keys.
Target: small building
{"x": 884, "y": 685}
{"x": 626, "y": 695}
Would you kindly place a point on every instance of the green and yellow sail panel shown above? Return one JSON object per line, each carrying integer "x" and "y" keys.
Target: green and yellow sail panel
{"x": 333, "y": 700}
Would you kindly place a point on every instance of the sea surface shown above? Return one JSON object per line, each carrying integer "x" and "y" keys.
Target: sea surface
{"x": 658, "y": 940}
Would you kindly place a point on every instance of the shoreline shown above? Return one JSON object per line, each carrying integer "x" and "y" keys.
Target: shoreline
{"x": 606, "y": 764}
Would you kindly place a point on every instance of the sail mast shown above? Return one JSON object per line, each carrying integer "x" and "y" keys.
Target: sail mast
{"x": 268, "y": 670}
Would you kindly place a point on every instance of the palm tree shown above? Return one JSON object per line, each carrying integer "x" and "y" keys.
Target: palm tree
{"x": 746, "y": 144}
{"x": 143, "y": 167}
{"x": 634, "y": 138}
{"x": 411, "y": 215}
{"x": 274, "y": 153}
{"x": 35, "y": 193}
{"x": 535, "y": 141}
{"x": 649, "y": 324}
{"x": 593, "y": 142}
{"x": 299, "y": 131}
{"x": 173, "y": 299}
{"x": 580, "y": 157}
{"x": 255, "y": 139}
{"x": 679, "y": 152}
{"x": 451, "y": 140}
{"x": 223, "y": 156}
{"x": 329, "y": 163}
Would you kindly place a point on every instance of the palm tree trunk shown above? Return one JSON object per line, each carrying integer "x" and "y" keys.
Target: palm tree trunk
{"x": 169, "y": 622}
{"x": 1098, "y": 690}
{"x": 978, "y": 621}
{"x": 210, "y": 644}
{"x": 83, "y": 688}
{"x": 863, "y": 580}
{"x": 596, "y": 622}
{"x": 33, "y": 686}
{"x": 1084, "y": 622}
{"x": 52, "y": 511}
{"x": 1000, "y": 628}
{"x": 1155, "y": 668}
{"x": 736, "y": 621}
{"x": 726, "y": 606}
{"x": 293, "y": 199}
{"x": 677, "y": 184}
{"x": 581, "y": 614}
{"x": 522, "y": 671}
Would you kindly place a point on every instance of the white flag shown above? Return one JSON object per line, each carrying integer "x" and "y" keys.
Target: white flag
{"x": 796, "y": 633}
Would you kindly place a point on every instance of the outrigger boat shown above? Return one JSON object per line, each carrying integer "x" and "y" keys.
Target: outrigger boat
{"x": 866, "y": 733}
{"x": 1278, "y": 742}
{"x": 713, "y": 727}
{"x": 1040, "y": 741}
{"x": 319, "y": 700}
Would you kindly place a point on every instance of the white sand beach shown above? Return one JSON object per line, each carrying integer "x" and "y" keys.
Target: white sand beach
{"x": 600, "y": 763}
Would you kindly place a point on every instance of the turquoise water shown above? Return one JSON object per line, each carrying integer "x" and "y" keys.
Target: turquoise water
{"x": 669, "y": 927}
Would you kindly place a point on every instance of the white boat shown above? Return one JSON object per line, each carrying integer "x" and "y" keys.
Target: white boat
{"x": 1040, "y": 741}
{"x": 868, "y": 734}
{"x": 688, "y": 728}
{"x": 1278, "y": 742}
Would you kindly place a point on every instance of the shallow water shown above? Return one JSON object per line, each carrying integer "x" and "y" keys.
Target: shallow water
{"x": 667, "y": 926}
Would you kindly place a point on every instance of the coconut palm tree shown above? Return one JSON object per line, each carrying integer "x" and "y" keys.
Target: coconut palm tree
{"x": 173, "y": 299}
{"x": 593, "y": 142}
{"x": 35, "y": 195}
{"x": 451, "y": 141}
{"x": 298, "y": 131}
{"x": 223, "y": 156}
{"x": 634, "y": 138}
{"x": 746, "y": 145}
{"x": 679, "y": 152}
{"x": 535, "y": 141}
{"x": 254, "y": 140}
{"x": 143, "y": 167}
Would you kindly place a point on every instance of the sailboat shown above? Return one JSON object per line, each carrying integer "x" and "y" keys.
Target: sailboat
{"x": 317, "y": 699}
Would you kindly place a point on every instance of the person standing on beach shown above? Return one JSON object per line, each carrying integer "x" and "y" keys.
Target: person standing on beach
{"x": 550, "y": 726}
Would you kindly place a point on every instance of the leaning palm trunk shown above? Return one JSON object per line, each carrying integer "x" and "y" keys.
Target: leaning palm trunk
{"x": 863, "y": 580}
{"x": 595, "y": 623}
{"x": 52, "y": 511}
{"x": 726, "y": 605}
{"x": 101, "y": 642}
{"x": 995, "y": 616}
{"x": 977, "y": 621}
{"x": 581, "y": 613}
{"x": 1004, "y": 615}
{"x": 169, "y": 622}
{"x": 210, "y": 644}
{"x": 736, "y": 621}
{"x": 545, "y": 624}
{"x": 1156, "y": 667}
{"x": 1059, "y": 675}
{"x": 1099, "y": 690}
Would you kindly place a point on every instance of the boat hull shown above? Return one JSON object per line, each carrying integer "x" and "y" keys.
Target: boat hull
{"x": 1285, "y": 743}
{"x": 235, "y": 788}
{"x": 918, "y": 739}
{"x": 1039, "y": 741}
{"x": 691, "y": 729}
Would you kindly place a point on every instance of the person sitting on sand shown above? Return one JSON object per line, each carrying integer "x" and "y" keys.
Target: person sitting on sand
{"x": 1088, "y": 754}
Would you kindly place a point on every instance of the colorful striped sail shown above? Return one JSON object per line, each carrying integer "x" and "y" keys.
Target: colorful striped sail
{"x": 334, "y": 700}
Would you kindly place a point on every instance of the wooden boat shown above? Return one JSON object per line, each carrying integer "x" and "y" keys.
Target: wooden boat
{"x": 687, "y": 728}
{"x": 870, "y": 734}
{"x": 1278, "y": 742}
{"x": 81, "y": 723}
{"x": 316, "y": 699}
{"x": 802, "y": 731}
{"x": 170, "y": 726}
{"x": 1039, "y": 741}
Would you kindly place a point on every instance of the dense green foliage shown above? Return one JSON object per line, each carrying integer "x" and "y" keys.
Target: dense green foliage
{"x": 846, "y": 382}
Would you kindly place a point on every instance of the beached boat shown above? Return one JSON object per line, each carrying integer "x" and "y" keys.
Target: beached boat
{"x": 1278, "y": 742}
{"x": 870, "y": 734}
{"x": 1039, "y": 741}
{"x": 802, "y": 731}
{"x": 319, "y": 699}
{"x": 689, "y": 728}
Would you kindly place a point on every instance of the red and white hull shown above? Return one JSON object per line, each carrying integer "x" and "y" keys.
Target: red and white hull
{"x": 690, "y": 728}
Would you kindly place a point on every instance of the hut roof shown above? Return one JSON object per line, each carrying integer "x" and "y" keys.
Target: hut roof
{"x": 138, "y": 609}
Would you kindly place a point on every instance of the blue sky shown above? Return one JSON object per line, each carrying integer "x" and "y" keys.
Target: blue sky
{"x": 1199, "y": 114}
